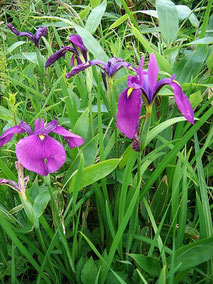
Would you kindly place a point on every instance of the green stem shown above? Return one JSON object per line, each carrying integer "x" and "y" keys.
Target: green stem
{"x": 44, "y": 81}
{"x": 112, "y": 99}
{"x": 145, "y": 129}
{"x": 89, "y": 78}
{"x": 40, "y": 238}
{"x": 206, "y": 19}
{"x": 159, "y": 240}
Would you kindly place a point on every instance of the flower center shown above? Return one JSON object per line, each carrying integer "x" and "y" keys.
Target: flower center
{"x": 41, "y": 137}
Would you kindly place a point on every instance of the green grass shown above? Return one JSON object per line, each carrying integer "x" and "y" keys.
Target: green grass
{"x": 109, "y": 214}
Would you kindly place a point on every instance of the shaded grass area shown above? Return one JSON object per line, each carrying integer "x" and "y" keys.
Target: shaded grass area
{"x": 109, "y": 215}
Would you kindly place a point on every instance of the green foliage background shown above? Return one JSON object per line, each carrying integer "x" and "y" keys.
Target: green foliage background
{"x": 93, "y": 222}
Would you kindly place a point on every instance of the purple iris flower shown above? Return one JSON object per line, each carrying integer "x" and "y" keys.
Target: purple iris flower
{"x": 41, "y": 31}
{"x": 39, "y": 152}
{"x": 109, "y": 68}
{"x": 78, "y": 49}
{"x": 145, "y": 85}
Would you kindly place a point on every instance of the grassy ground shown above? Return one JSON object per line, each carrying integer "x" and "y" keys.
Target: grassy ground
{"x": 109, "y": 215}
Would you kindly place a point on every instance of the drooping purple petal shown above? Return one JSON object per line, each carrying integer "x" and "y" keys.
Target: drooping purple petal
{"x": 77, "y": 42}
{"x": 72, "y": 139}
{"x": 182, "y": 102}
{"x": 27, "y": 34}
{"x": 8, "y": 134}
{"x": 58, "y": 54}
{"x": 152, "y": 73}
{"x": 99, "y": 63}
{"x": 41, "y": 31}
{"x": 115, "y": 64}
{"x": 26, "y": 127}
{"x": 78, "y": 68}
{"x": 181, "y": 99}
{"x": 13, "y": 29}
{"x": 42, "y": 156}
{"x": 129, "y": 109}
{"x": 11, "y": 184}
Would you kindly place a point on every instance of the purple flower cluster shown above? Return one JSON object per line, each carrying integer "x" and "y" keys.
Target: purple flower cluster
{"x": 142, "y": 86}
{"x": 145, "y": 85}
{"x": 79, "y": 51}
{"x": 39, "y": 152}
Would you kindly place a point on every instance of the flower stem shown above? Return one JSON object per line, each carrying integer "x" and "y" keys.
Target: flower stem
{"x": 145, "y": 128}
{"x": 111, "y": 97}
{"x": 89, "y": 82}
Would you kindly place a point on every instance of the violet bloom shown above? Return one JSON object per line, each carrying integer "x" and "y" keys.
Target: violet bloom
{"x": 78, "y": 49}
{"x": 41, "y": 31}
{"x": 145, "y": 84}
{"x": 39, "y": 152}
{"x": 109, "y": 68}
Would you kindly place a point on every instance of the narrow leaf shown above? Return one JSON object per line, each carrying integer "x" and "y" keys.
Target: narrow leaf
{"x": 95, "y": 17}
{"x": 168, "y": 20}
{"x": 95, "y": 172}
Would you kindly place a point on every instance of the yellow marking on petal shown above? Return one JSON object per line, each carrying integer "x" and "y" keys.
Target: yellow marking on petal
{"x": 41, "y": 137}
{"x": 129, "y": 91}
{"x": 176, "y": 82}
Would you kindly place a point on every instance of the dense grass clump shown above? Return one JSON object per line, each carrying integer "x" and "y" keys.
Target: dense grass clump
{"x": 105, "y": 174}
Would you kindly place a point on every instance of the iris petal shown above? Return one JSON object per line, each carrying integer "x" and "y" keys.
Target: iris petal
{"x": 58, "y": 54}
{"x": 39, "y": 126}
{"x": 129, "y": 109}
{"x": 140, "y": 71}
{"x": 27, "y": 34}
{"x": 77, "y": 41}
{"x": 40, "y": 156}
{"x": 115, "y": 64}
{"x": 78, "y": 68}
{"x": 50, "y": 126}
{"x": 99, "y": 63}
{"x": 8, "y": 134}
{"x": 26, "y": 127}
{"x": 41, "y": 31}
{"x": 152, "y": 73}
{"x": 181, "y": 99}
{"x": 72, "y": 139}
{"x": 182, "y": 102}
